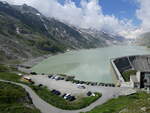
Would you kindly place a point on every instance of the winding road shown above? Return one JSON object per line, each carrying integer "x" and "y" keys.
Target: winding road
{"x": 44, "y": 107}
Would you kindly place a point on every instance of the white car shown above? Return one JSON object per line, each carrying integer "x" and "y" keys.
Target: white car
{"x": 65, "y": 97}
{"x": 80, "y": 86}
{"x": 93, "y": 94}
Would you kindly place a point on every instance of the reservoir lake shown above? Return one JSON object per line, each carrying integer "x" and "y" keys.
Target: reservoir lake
{"x": 88, "y": 65}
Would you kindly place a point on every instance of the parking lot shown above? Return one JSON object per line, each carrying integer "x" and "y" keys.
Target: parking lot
{"x": 60, "y": 85}
{"x": 74, "y": 90}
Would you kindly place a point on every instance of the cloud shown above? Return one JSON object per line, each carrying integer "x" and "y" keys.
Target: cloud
{"x": 143, "y": 13}
{"x": 132, "y": 33}
{"x": 88, "y": 15}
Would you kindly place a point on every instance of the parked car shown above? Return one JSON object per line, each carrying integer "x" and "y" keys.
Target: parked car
{"x": 53, "y": 90}
{"x": 56, "y": 78}
{"x": 92, "y": 84}
{"x": 102, "y": 84}
{"x": 32, "y": 82}
{"x": 40, "y": 85}
{"x": 20, "y": 74}
{"x": 113, "y": 85}
{"x": 33, "y": 73}
{"x": 68, "y": 97}
{"x": 56, "y": 92}
{"x": 81, "y": 86}
{"x": 71, "y": 98}
{"x": 106, "y": 85}
{"x": 93, "y": 94}
{"x": 61, "y": 78}
{"x": 64, "y": 95}
{"x": 89, "y": 93}
{"x": 53, "y": 77}
{"x": 110, "y": 85}
{"x": 50, "y": 76}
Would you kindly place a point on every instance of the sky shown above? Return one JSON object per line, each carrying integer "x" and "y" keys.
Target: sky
{"x": 128, "y": 18}
{"x": 119, "y": 8}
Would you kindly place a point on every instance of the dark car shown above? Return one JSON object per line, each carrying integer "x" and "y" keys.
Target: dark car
{"x": 71, "y": 98}
{"x": 56, "y": 92}
{"x": 64, "y": 95}
{"x": 53, "y": 90}
{"x": 113, "y": 85}
{"x": 33, "y": 73}
{"x": 50, "y": 76}
{"x": 89, "y": 93}
{"x": 61, "y": 78}
{"x": 40, "y": 85}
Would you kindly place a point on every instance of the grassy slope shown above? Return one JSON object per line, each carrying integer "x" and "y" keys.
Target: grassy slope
{"x": 13, "y": 99}
{"x": 9, "y": 76}
{"x": 125, "y": 104}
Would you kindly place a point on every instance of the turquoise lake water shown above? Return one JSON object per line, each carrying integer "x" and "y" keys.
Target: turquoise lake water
{"x": 88, "y": 65}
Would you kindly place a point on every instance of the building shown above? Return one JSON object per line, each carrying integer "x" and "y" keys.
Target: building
{"x": 145, "y": 80}
{"x": 134, "y": 82}
{"x": 141, "y": 80}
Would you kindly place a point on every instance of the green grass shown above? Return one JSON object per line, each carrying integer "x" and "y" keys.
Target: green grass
{"x": 9, "y": 76}
{"x": 14, "y": 99}
{"x": 125, "y": 104}
{"x": 3, "y": 68}
{"x": 6, "y": 73}
{"x": 127, "y": 74}
{"x": 59, "y": 102}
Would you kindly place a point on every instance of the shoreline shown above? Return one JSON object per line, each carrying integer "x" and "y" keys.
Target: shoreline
{"x": 34, "y": 61}
{"x": 29, "y": 63}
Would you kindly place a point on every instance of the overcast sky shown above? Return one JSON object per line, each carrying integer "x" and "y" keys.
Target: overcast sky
{"x": 128, "y": 18}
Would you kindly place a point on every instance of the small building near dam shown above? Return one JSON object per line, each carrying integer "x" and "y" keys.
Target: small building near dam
{"x": 132, "y": 71}
{"x": 140, "y": 80}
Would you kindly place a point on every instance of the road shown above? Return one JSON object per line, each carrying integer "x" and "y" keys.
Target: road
{"x": 44, "y": 107}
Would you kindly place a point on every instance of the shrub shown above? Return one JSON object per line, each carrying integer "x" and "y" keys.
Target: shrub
{"x": 126, "y": 75}
{"x": 3, "y": 68}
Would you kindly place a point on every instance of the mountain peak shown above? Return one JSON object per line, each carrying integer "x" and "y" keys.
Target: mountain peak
{"x": 26, "y": 9}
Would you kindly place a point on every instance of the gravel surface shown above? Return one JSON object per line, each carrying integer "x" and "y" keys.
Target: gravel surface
{"x": 61, "y": 85}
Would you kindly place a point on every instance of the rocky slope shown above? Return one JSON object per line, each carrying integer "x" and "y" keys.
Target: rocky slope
{"x": 26, "y": 33}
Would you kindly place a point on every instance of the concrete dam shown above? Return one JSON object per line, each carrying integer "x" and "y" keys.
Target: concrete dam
{"x": 138, "y": 62}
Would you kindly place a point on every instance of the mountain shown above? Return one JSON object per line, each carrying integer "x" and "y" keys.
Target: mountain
{"x": 106, "y": 38}
{"x": 144, "y": 39}
{"x": 26, "y": 33}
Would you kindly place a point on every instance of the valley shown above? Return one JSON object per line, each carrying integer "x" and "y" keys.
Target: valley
{"x": 69, "y": 57}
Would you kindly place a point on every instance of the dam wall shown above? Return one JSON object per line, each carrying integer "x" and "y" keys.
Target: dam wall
{"x": 116, "y": 73}
{"x": 122, "y": 64}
